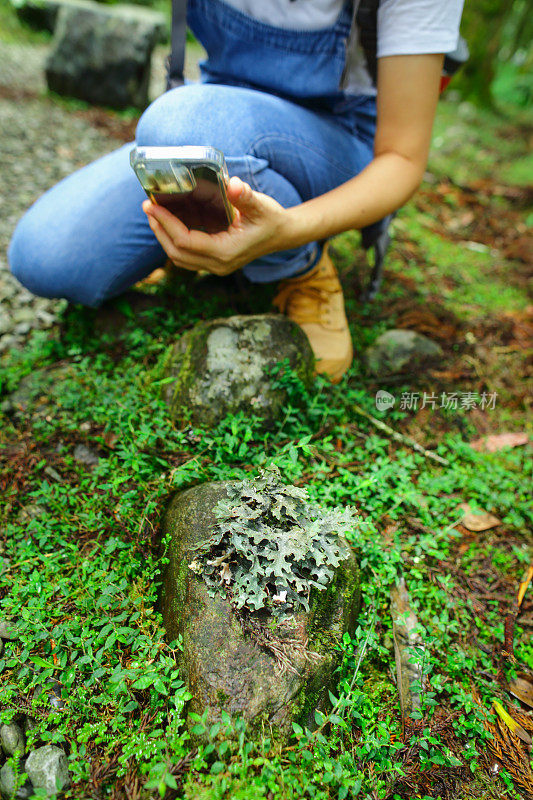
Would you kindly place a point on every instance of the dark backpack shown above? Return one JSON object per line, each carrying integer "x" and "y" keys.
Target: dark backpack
{"x": 374, "y": 237}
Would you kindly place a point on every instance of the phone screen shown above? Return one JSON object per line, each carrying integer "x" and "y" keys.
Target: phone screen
{"x": 203, "y": 208}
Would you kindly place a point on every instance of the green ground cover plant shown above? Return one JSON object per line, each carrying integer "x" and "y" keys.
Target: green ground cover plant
{"x": 82, "y": 569}
{"x": 81, "y": 555}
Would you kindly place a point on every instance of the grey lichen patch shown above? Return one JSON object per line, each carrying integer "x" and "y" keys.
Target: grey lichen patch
{"x": 224, "y": 366}
{"x": 271, "y": 545}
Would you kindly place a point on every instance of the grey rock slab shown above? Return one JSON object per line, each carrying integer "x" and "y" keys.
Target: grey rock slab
{"x": 398, "y": 350}
{"x": 12, "y": 739}
{"x": 225, "y": 668}
{"x": 8, "y": 783}
{"x": 47, "y": 768}
{"x": 223, "y": 366}
{"x": 102, "y": 56}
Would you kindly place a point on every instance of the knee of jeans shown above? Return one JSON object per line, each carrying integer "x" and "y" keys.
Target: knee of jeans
{"x": 197, "y": 114}
{"x": 43, "y": 267}
{"x": 169, "y": 120}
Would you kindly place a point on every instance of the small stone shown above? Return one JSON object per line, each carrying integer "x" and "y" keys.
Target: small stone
{"x": 47, "y": 768}
{"x": 7, "y": 629}
{"x": 84, "y": 455}
{"x": 399, "y": 350}
{"x": 31, "y": 511}
{"x": 50, "y": 693}
{"x": 12, "y": 739}
{"x": 8, "y": 783}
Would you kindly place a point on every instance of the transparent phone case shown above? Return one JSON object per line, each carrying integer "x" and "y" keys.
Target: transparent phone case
{"x": 189, "y": 181}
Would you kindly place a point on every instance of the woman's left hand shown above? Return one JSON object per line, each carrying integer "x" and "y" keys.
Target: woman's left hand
{"x": 258, "y": 229}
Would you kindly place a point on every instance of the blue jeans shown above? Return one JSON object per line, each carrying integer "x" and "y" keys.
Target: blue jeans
{"x": 87, "y": 238}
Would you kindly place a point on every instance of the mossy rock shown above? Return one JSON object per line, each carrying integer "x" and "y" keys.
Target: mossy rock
{"x": 224, "y": 666}
{"x": 399, "y": 350}
{"x": 223, "y": 366}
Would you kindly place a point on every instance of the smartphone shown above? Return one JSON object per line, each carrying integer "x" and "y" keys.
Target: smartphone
{"x": 189, "y": 181}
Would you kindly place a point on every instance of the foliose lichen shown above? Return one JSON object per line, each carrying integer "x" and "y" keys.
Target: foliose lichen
{"x": 272, "y": 545}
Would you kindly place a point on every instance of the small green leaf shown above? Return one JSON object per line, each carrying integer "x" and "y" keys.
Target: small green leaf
{"x": 144, "y": 682}
{"x": 298, "y": 730}
{"x": 170, "y": 781}
{"x": 40, "y": 662}
{"x": 319, "y": 717}
{"x": 198, "y": 730}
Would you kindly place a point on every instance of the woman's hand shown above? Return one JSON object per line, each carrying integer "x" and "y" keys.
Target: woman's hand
{"x": 258, "y": 229}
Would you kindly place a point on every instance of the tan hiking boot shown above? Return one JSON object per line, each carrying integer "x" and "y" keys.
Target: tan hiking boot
{"x": 157, "y": 276}
{"x": 315, "y": 301}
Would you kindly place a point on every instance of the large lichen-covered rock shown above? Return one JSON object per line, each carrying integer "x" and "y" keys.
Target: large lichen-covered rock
{"x": 226, "y": 665}
{"x": 102, "y": 55}
{"x": 223, "y": 366}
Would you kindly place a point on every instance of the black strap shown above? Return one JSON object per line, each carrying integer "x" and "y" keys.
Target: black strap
{"x": 366, "y": 18}
{"x": 178, "y": 39}
{"x": 376, "y": 237}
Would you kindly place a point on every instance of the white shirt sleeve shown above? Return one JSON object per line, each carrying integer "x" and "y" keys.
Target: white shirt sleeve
{"x": 415, "y": 27}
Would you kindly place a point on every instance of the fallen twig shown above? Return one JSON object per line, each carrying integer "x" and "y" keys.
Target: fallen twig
{"x": 399, "y": 437}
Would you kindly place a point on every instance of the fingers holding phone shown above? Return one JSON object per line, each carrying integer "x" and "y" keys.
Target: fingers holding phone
{"x": 202, "y": 219}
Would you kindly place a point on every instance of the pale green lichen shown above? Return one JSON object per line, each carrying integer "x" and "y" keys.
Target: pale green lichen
{"x": 271, "y": 545}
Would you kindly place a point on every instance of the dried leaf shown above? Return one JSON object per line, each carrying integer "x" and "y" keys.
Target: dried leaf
{"x": 522, "y": 688}
{"x": 225, "y": 574}
{"x": 524, "y": 583}
{"x": 110, "y": 440}
{"x": 512, "y": 724}
{"x": 478, "y": 520}
{"x": 491, "y": 444}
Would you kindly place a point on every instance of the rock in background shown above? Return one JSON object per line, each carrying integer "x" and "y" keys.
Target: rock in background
{"x": 225, "y": 668}
{"x": 222, "y": 366}
{"x": 400, "y": 350}
{"x": 43, "y": 14}
{"x": 102, "y": 54}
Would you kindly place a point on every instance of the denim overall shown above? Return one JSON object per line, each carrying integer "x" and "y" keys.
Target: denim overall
{"x": 298, "y": 65}
{"x": 269, "y": 98}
